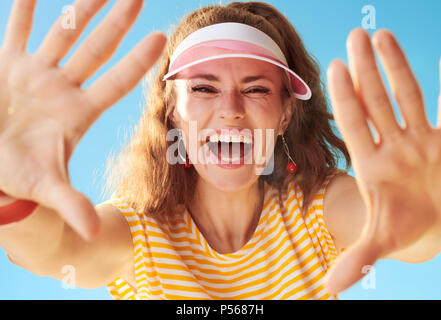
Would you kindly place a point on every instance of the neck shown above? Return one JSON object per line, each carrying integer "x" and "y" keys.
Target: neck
{"x": 227, "y": 219}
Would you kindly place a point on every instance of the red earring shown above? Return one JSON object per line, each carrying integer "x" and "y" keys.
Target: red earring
{"x": 187, "y": 163}
{"x": 291, "y": 167}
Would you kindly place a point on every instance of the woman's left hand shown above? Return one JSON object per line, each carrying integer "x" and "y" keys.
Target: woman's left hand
{"x": 399, "y": 173}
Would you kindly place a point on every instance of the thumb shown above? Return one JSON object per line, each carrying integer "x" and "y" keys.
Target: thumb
{"x": 351, "y": 266}
{"x": 74, "y": 207}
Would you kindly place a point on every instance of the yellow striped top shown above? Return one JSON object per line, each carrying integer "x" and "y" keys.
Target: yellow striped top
{"x": 286, "y": 258}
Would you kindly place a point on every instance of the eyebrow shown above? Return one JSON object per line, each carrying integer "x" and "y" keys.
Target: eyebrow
{"x": 211, "y": 77}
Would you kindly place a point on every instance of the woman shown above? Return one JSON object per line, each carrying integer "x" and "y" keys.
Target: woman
{"x": 239, "y": 230}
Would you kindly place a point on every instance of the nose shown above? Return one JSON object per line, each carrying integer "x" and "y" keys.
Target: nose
{"x": 231, "y": 106}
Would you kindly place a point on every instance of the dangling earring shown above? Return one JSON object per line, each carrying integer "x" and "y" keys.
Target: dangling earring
{"x": 187, "y": 163}
{"x": 291, "y": 167}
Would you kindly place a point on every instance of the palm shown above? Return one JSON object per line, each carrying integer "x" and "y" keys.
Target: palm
{"x": 44, "y": 124}
{"x": 44, "y": 112}
{"x": 397, "y": 182}
{"x": 399, "y": 174}
{"x": 42, "y": 100}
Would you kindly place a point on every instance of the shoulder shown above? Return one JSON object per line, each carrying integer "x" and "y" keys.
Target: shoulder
{"x": 343, "y": 210}
{"x": 338, "y": 184}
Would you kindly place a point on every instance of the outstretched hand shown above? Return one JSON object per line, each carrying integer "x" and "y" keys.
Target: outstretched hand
{"x": 399, "y": 173}
{"x": 43, "y": 110}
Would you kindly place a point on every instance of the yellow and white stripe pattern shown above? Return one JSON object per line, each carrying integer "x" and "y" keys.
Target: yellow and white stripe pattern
{"x": 286, "y": 258}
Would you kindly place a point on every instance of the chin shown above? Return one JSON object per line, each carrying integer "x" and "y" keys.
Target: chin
{"x": 228, "y": 180}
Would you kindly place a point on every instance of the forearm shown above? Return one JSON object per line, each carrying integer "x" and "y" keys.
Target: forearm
{"x": 31, "y": 242}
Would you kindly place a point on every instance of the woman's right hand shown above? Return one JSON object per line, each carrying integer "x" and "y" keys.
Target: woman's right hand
{"x": 43, "y": 110}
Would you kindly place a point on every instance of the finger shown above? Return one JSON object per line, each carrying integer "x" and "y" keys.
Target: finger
{"x": 101, "y": 44}
{"x": 403, "y": 84}
{"x": 348, "y": 112}
{"x": 74, "y": 208}
{"x": 63, "y": 35}
{"x": 19, "y": 24}
{"x": 368, "y": 83}
{"x": 439, "y": 98}
{"x": 123, "y": 77}
{"x": 351, "y": 266}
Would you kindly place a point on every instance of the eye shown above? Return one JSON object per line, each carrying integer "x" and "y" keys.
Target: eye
{"x": 258, "y": 90}
{"x": 205, "y": 89}
{"x": 202, "y": 89}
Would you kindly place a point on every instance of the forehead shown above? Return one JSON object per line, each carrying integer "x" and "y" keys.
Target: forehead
{"x": 244, "y": 69}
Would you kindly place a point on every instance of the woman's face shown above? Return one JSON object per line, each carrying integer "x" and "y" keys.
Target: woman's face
{"x": 229, "y": 99}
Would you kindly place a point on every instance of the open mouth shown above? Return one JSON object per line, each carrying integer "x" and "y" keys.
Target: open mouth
{"x": 230, "y": 152}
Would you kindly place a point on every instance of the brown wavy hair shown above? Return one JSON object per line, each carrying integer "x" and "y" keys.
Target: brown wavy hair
{"x": 157, "y": 187}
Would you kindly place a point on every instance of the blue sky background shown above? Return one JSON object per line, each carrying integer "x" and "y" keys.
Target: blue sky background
{"x": 323, "y": 26}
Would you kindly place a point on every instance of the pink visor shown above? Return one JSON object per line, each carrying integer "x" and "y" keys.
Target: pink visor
{"x": 228, "y": 40}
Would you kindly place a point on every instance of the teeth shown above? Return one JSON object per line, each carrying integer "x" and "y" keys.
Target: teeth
{"x": 224, "y": 138}
{"x": 230, "y": 138}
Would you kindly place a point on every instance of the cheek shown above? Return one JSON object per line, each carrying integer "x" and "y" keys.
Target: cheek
{"x": 193, "y": 110}
{"x": 268, "y": 117}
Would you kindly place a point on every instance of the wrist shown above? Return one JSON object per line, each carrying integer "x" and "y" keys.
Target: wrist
{"x": 14, "y": 210}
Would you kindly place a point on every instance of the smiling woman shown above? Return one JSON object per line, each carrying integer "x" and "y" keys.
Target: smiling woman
{"x": 270, "y": 212}
{"x": 308, "y": 131}
{"x": 233, "y": 221}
